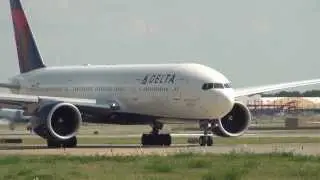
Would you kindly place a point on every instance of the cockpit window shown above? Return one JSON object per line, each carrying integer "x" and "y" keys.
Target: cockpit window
{"x": 207, "y": 86}
{"x": 218, "y": 85}
{"x": 227, "y": 85}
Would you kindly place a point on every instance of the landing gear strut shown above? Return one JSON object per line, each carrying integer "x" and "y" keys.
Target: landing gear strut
{"x": 154, "y": 138}
{"x": 70, "y": 143}
{"x": 206, "y": 139}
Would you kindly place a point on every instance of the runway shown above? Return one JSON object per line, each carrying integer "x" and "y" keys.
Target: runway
{"x": 111, "y": 150}
{"x": 249, "y": 133}
{"x": 135, "y": 149}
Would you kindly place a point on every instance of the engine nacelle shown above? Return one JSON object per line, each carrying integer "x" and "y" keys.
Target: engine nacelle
{"x": 56, "y": 120}
{"x": 235, "y": 123}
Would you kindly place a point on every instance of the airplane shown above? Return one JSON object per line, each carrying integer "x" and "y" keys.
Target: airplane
{"x": 59, "y": 99}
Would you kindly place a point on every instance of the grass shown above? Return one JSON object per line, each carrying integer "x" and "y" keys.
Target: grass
{"x": 183, "y": 140}
{"x": 186, "y": 166}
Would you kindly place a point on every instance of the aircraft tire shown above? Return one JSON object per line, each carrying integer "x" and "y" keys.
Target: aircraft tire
{"x": 145, "y": 139}
{"x": 202, "y": 141}
{"x": 156, "y": 139}
{"x": 70, "y": 143}
{"x": 209, "y": 141}
{"x": 166, "y": 139}
{"x": 205, "y": 140}
{"x": 52, "y": 144}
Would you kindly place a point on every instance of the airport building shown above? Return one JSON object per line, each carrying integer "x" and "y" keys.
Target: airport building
{"x": 273, "y": 105}
{"x": 289, "y": 112}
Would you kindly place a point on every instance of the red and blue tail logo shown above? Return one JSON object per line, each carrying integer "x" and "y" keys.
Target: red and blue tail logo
{"x": 28, "y": 54}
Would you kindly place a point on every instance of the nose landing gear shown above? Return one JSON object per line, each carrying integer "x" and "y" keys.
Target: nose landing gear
{"x": 207, "y": 138}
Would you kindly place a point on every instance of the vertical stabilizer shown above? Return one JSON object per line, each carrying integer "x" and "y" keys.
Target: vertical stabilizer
{"x": 28, "y": 54}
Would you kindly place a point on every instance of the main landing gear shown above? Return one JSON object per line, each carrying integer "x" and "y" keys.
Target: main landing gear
{"x": 206, "y": 139}
{"x": 154, "y": 138}
{"x": 70, "y": 143}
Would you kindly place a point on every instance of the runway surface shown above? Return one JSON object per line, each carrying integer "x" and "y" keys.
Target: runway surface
{"x": 250, "y": 133}
{"x": 132, "y": 149}
{"x": 306, "y": 149}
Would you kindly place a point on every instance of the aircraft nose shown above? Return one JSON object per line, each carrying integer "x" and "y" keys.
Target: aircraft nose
{"x": 225, "y": 102}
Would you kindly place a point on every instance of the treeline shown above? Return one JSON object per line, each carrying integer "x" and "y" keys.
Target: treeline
{"x": 312, "y": 93}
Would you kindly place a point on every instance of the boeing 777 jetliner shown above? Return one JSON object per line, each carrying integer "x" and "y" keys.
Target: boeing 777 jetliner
{"x": 59, "y": 99}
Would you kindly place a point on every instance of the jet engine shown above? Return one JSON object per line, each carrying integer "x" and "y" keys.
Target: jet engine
{"x": 56, "y": 121}
{"x": 235, "y": 123}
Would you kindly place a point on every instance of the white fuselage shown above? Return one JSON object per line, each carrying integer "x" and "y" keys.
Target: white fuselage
{"x": 166, "y": 90}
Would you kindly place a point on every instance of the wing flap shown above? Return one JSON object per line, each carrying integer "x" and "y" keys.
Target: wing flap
{"x": 15, "y": 99}
{"x": 266, "y": 88}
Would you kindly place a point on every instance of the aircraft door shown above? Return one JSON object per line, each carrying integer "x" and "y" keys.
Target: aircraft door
{"x": 176, "y": 94}
{"x": 134, "y": 93}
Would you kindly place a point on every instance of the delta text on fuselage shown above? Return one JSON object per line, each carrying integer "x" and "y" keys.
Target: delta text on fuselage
{"x": 159, "y": 78}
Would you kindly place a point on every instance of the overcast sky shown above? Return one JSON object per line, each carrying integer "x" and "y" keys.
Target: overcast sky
{"x": 252, "y": 42}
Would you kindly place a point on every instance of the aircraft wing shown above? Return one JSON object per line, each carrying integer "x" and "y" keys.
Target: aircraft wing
{"x": 23, "y": 100}
{"x": 9, "y": 85}
{"x": 261, "y": 89}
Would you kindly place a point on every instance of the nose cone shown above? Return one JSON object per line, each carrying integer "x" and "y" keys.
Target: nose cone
{"x": 224, "y": 101}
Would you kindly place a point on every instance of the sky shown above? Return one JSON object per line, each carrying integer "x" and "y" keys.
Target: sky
{"x": 252, "y": 42}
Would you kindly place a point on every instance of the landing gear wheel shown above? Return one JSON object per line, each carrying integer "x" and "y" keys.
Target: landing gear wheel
{"x": 156, "y": 139}
{"x": 70, "y": 143}
{"x": 52, "y": 144}
{"x": 202, "y": 141}
{"x": 146, "y": 139}
{"x": 209, "y": 141}
{"x": 166, "y": 139}
{"x": 205, "y": 140}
